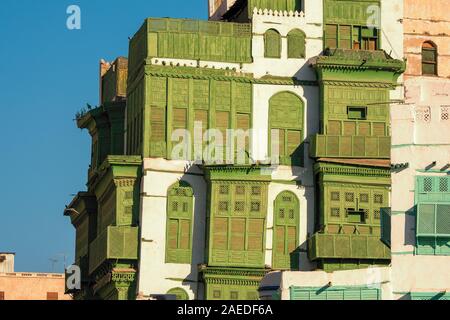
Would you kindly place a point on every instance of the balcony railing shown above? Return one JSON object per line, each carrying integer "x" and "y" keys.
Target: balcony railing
{"x": 113, "y": 243}
{"x": 323, "y": 146}
{"x": 347, "y": 246}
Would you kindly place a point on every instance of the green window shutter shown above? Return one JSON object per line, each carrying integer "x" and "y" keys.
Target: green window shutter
{"x": 179, "y": 223}
{"x": 443, "y": 219}
{"x": 296, "y": 44}
{"x": 331, "y": 36}
{"x": 255, "y": 234}
{"x": 289, "y": 128}
{"x": 286, "y": 226}
{"x": 272, "y": 44}
{"x": 386, "y": 226}
{"x": 426, "y": 223}
{"x": 157, "y": 131}
{"x": 220, "y": 234}
{"x": 345, "y": 37}
{"x": 179, "y": 118}
{"x": 237, "y": 234}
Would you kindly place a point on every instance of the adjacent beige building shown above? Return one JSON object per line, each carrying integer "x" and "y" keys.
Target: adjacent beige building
{"x": 29, "y": 286}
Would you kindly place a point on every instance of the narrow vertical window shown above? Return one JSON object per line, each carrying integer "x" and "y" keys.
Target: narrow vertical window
{"x": 429, "y": 59}
{"x": 287, "y": 129}
{"x": 296, "y": 44}
{"x": 272, "y": 44}
{"x": 285, "y": 241}
{"x": 179, "y": 223}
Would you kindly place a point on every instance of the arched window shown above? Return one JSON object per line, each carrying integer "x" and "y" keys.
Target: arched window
{"x": 296, "y": 44}
{"x": 179, "y": 293}
{"x": 429, "y": 59}
{"x": 180, "y": 201}
{"x": 286, "y": 125}
{"x": 286, "y": 227}
{"x": 272, "y": 44}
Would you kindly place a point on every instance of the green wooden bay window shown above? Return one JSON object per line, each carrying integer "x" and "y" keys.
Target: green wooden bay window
{"x": 286, "y": 225}
{"x": 179, "y": 223}
{"x": 238, "y": 221}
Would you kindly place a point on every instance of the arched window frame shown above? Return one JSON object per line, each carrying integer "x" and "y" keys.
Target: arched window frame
{"x": 287, "y": 127}
{"x": 272, "y": 44}
{"x": 296, "y": 40}
{"x": 179, "y": 218}
{"x": 283, "y": 227}
{"x": 429, "y": 59}
{"x": 180, "y": 294}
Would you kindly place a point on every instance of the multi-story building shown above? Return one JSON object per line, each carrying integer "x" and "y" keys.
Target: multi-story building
{"x": 416, "y": 226}
{"x": 29, "y": 285}
{"x": 420, "y": 208}
{"x": 166, "y": 215}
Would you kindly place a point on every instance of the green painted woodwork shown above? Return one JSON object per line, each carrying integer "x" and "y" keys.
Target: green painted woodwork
{"x": 117, "y": 283}
{"x": 174, "y": 103}
{"x": 432, "y": 198}
{"x": 180, "y": 204}
{"x": 348, "y": 224}
{"x": 114, "y": 81}
{"x": 279, "y": 5}
{"x": 106, "y": 127}
{"x": 236, "y": 219}
{"x": 296, "y": 40}
{"x": 112, "y": 244}
{"x": 349, "y": 11}
{"x": 117, "y": 188}
{"x": 352, "y": 293}
{"x": 232, "y": 283}
{"x": 430, "y": 296}
{"x": 190, "y": 39}
{"x": 347, "y": 246}
{"x": 272, "y": 44}
{"x": 286, "y": 230}
{"x": 332, "y": 265}
{"x": 179, "y": 293}
{"x": 337, "y": 146}
{"x": 290, "y": 129}
{"x": 386, "y": 226}
{"x": 353, "y": 37}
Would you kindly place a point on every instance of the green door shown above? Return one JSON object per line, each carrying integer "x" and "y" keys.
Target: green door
{"x": 285, "y": 235}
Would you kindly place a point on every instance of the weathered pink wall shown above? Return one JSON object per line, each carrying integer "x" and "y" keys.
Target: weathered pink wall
{"x": 427, "y": 21}
{"x": 32, "y": 286}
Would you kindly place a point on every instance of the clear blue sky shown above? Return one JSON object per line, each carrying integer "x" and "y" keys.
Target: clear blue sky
{"x": 48, "y": 73}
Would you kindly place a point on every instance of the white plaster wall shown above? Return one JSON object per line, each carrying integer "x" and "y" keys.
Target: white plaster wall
{"x": 310, "y": 24}
{"x": 261, "y": 96}
{"x": 154, "y": 273}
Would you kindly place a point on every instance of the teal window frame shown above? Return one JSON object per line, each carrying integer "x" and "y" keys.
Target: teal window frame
{"x": 342, "y": 293}
{"x": 432, "y": 211}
